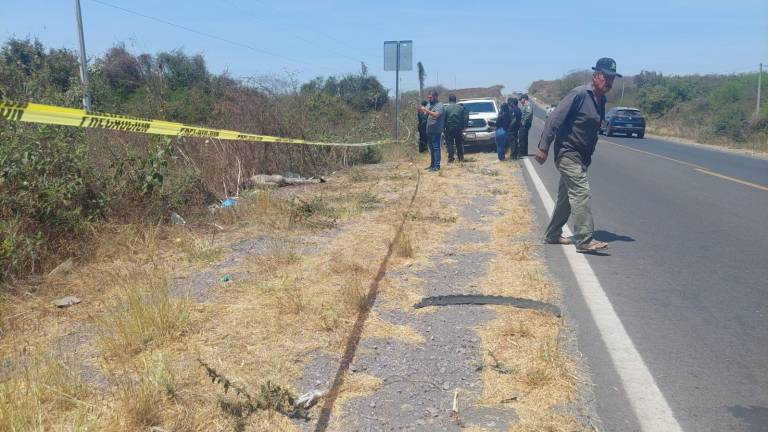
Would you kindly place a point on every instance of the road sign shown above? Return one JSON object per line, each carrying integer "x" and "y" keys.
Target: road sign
{"x": 404, "y": 54}
{"x": 398, "y": 55}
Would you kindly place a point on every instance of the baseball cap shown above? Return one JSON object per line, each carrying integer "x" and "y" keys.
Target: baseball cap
{"x": 607, "y": 66}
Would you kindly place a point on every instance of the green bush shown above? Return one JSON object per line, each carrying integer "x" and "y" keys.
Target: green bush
{"x": 45, "y": 195}
{"x": 55, "y": 181}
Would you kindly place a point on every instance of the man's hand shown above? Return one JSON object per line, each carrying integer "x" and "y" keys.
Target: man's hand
{"x": 541, "y": 156}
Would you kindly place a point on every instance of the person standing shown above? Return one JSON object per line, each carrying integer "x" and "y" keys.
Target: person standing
{"x": 573, "y": 128}
{"x": 525, "y": 124}
{"x": 502, "y": 126}
{"x": 456, "y": 118}
{"x": 435, "y": 125}
{"x": 514, "y": 128}
{"x": 422, "y": 127}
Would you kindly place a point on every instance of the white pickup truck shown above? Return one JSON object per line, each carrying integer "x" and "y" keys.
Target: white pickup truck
{"x": 482, "y": 114}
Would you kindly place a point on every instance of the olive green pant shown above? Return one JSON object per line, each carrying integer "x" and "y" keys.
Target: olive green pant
{"x": 572, "y": 201}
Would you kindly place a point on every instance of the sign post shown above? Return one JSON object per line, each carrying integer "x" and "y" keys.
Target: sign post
{"x": 398, "y": 55}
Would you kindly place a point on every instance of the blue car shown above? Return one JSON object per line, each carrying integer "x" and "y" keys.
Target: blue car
{"x": 624, "y": 120}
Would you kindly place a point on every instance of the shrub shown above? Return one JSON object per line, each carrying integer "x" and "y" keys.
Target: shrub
{"x": 45, "y": 195}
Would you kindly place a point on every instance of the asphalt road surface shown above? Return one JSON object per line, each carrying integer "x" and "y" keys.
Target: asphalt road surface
{"x": 686, "y": 273}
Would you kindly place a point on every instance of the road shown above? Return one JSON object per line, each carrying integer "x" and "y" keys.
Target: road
{"x": 686, "y": 273}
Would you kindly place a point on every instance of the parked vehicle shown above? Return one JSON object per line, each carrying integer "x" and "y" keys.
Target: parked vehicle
{"x": 481, "y": 129}
{"x": 624, "y": 120}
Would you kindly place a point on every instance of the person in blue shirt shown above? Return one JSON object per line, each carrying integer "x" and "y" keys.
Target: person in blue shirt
{"x": 435, "y": 125}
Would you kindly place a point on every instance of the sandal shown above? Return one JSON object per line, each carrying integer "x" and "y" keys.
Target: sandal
{"x": 561, "y": 241}
{"x": 593, "y": 246}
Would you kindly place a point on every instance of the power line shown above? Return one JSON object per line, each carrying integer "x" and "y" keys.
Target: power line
{"x": 208, "y": 35}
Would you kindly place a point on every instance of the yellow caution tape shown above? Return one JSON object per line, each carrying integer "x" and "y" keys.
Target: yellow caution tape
{"x": 54, "y": 115}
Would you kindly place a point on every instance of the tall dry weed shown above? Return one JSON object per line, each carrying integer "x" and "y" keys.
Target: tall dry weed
{"x": 42, "y": 389}
{"x": 403, "y": 247}
{"x": 141, "y": 395}
{"x": 140, "y": 312}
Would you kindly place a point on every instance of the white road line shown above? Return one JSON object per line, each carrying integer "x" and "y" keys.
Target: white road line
{"x": 649, "y": 405}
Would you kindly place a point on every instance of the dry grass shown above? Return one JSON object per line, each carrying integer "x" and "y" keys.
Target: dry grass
{"x": 140, "y": 312}
{"x": 286, "y": 307}
{"x": 402, "y": 246}
{"x": 358, "y": 174}
{"x": 376, "y": 327}
{"x": 263, "y": 327}
{"x": 367, "y": 200}
{"x": 41, "y": 387}
{"x": 354, "y": 385}
{"x": 530, "y": 346}
{"x": 142, "y": 396}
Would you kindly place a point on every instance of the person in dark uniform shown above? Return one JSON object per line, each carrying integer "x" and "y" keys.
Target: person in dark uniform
{"x": 456, "y": 118}
{"x": 514, "y": 128}
{"x": 422, "y": 126}
{"x": 525, "y": 124}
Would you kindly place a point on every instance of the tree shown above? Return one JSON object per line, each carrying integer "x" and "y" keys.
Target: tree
{"x": 121, "y": 71}
{"x": 649, "y": 78}
{"x": 182, "y": 71}
{"x": 27, "y": 71}
{"x": 362, "y": 92}
{"x": 422, "y": 76}
{"x": 655, "y": 99}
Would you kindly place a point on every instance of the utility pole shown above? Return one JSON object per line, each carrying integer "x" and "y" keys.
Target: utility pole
{"x": 83, "y": 65}
{"x": 759, "y": 84}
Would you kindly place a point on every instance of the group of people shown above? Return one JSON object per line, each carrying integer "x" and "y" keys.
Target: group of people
{"x": 572, "y": 128}
{"x": 512, "y": 127}
{"x": 437, "y": 121}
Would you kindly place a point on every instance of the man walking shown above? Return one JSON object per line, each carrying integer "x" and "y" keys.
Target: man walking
{"x": 435, "y": 125}
{"x": 422, "y": 127}
{"x": 456, "y": 118}
{"x": 573, "y": 127}
{"x": 514, "y": 128}
{"x": 525, "y": 124}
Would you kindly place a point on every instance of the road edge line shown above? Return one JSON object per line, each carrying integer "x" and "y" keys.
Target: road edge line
{"x": 648, "y": 403}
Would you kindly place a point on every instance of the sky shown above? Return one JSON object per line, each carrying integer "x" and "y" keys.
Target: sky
{"x": 461, "y": 43}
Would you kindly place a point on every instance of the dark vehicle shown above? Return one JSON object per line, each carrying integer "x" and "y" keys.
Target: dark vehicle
{"x": 624, "y": 120}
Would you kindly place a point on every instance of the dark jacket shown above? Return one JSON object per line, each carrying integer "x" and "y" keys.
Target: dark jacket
{"x": 422, "y": 122}
{"x": 516, "y": 116}
{"x": 505, "y": 117}
{"x": 456, "y": 117}
{"x": 573, "y": 125}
